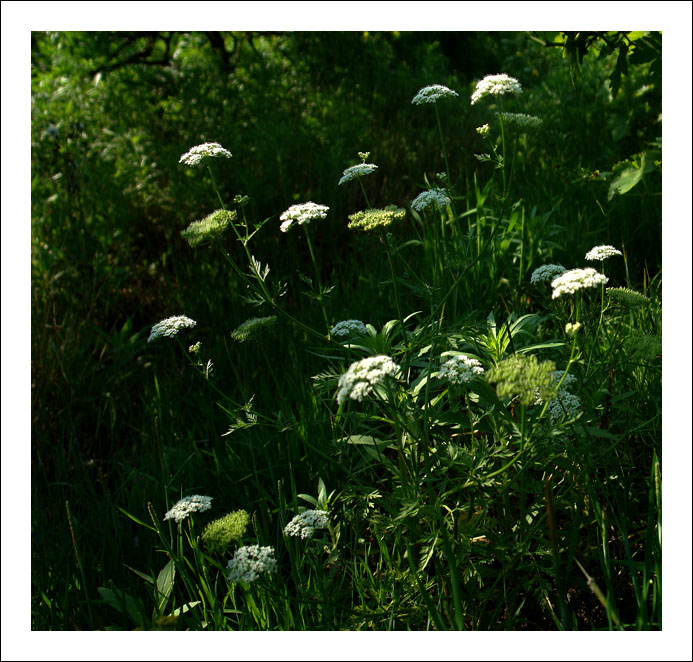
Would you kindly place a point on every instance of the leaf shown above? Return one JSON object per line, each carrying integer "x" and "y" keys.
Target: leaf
{"x": 164, "y": 584}
{"x": 123, "y": 603}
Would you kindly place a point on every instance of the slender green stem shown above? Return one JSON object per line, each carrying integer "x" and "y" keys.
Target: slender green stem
{"x": 318, "y": 280}
{"x": 214, "y": 184}
{"x": 502, "y": 127}
{"x": 368, "y": 204}
{"x": 442, "y": 145}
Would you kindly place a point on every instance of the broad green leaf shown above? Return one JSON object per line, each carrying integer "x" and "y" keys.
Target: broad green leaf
{"x": 164, "y": 583}
{"x": 123, "y": 603}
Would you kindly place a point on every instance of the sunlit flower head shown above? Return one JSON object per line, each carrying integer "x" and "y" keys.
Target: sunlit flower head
{"x": 219, "y": 534}
{"x": 523, "y": 376}
{"x": 436, "y": 197}
{"x": 496, "y": 84}
{"x": 375, "y": 219}
{"x": 209, "y": 228}
{"x": 188, "y": 505}
{"x": 195, "y": 155}
{"x": 252, "y": 328}
{"x": 483, "y": 130}
{"x": 572, "y": 328}
{"x": 600, "y": 253}
{"x": 361, "y": 377}
{"x": 460, "y": 369}
{"x": 348, "y": 328}
{"x": 303, "y": 213}
{"x": 248, "y": 563}
{"x": 432, "y": 94}
{"x": 304, "y": 525}
{"x": 169, "y": 327}
{"x": 356, "y": 171}
{"x": 546, "y": 273}
{"x": 576, "y": 279}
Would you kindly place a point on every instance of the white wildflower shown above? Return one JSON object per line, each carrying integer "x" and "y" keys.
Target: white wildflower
{"x": 248, "y": 563}
{"x": 437, "y": 197}
{"x": 207, "y": 150}
{"x": 189, "y": 505}
{"x": 564, "y": 404}
{"x": 461, "y": 369}
{"x": 356, "y": 171}
{"x": 432, "y": 94}
{"x": 304, "y": 525}
{"x": 483, "y": 130}
{"x": 170, "y": 327}
{"x": 576, "y": 279}
{"x": 303, "y": 213}
{"x": 547, "y": 273}
{"x": 569, "y": 378}
{"x": 571, "y": 329}
{"x": 496, "y": 84}
{"x": 521, "y": 120}
{"x": 600, "y": 253}
{"x": 348, "y": 328}
{"x": 358, "y": 381}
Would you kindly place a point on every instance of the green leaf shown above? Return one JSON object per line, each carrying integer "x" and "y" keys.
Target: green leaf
{"x": 164, "y": 584}
{"x": 123, "y": 603}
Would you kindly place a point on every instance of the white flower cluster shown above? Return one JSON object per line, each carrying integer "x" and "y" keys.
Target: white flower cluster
{"x": 432, "y": 94}
{"x": 496, "y": 84}
{"x": 357, "y": 171}
{"x": 564, "y": 403}
{"x": 547, "y": 273}
{"x": 188, "y": 505}
{"x": 304, "y": 213}
{"x": 483, "y": 130}
{"x": 576, "y": 279}
{"x": 248, "y": 563}
{"x": 569, "y": 378}
{"x": 348, "y": 328}
{"x": 304, "y": 525}
{"x": 435, "y": 196}
{"x": 461, "y": 369}
{"x": 170, "y": 327}
{"x": 521, "y": 120}
{"x": 358, "y": 381}
{"x": 600, "y": 253}
{"x": 195, "y": 154}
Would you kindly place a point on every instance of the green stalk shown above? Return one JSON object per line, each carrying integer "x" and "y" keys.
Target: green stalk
{"x": 442, "y": 144}
{"x": 317, "y": 278}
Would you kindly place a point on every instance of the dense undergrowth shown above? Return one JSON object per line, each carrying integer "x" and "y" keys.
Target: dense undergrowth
{"x": 498, "y": 467}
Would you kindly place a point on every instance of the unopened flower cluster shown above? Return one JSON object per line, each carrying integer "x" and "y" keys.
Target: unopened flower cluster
{"x": 196, "y": 154}
{"x": 461, "y": 369}
{"x": 523, "y": 376}
{"x": 600, "y": 253}
{"x": 496, "y": 84}
{"x": 170, "y": 327}
{"x": 304, "y": 525}
{"x": 300, "y": 214}
{"x": 219, "y": 534}
{"x": 546, "y": 273}
{"x": 572, "y": 328}
{"x": 521, "y": 120}
{"x": 188, "y": 505}
{"x": 356, "y": 171}
{"x": 483, "y": 130}
{"x": 358, "y": 381}
{"x": 625, "y": 297}
{"x": 432, "y": 94}
{"x": 348, "y": 328}
{"x": 252, "y": 327}
{"x": 577, "y": 279}
{"x": 248, "y": 563}
{"x": 375, "y": 219}
{"x": 210, "y": 227}
{"x": 437, "y": 197}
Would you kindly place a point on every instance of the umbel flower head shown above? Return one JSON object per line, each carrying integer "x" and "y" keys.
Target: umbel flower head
{"x": 303, "y": 213}
{"x": 170, "y": 327}
{"x": 564, "y": 404}
{"x": 600, "y": 253}
{"x": 375, "y": 219}
{"x": 252, "y": 327}
{"x": 188, "y": 505}
{"x": 461, "y": 369}
{"x": 361, "y": 377}
{"x": 547, "y": 273}
{"x": 304, "y": 525}
{"x": 219, "y": 534}
{"x": 436, "y": 197}
{"x": 521, "y": 120}
{"x": 358, "y": 170}
{"x": 195, "y": 155}
{"x": 348, "y": 328}
{"x": 209, "y": 228}
{"x": 483, "y": 130}
{"x": 433, "y": 94}
{"x": 496, "y": 84}
{"x": 248, "y": 563}
{"x": 625, "y": 297}
{"x": 576, "y": 279}
{"x": 523, "y": 376}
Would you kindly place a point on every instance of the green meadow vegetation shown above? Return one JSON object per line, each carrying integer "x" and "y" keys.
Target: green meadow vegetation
{"x": 346, "y": 331}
